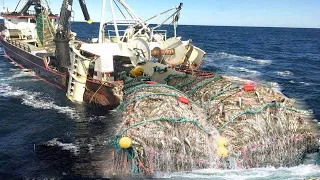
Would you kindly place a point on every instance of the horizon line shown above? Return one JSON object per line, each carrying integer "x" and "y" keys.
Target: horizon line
{"x": 216, "y": 25}
{"x": 230, "y": 25}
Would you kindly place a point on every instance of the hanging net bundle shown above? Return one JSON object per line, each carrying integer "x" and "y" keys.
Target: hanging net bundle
{"x": 178, "y": 126}
{"x": 168, "y": 131}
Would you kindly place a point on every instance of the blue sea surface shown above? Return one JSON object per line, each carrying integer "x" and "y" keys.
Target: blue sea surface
{"x": 43, "y": 135}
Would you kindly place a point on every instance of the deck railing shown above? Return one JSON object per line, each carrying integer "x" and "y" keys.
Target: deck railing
{"x": 19, "y": 44}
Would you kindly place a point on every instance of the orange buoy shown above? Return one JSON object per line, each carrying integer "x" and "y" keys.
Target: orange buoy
{"x": 151, "y": 82}
{"x": 183, "y": 100}
{"x": 248, "y": 86}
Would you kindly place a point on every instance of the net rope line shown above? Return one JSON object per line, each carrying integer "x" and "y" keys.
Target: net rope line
{"x": 244, "y": 154}
{"x": 235, "y": 86}
{"x": 174, "y": 120}
{"x": 202, "y": 83}
{"x": 250, "y": 111}
{"x": 124, "y": 106}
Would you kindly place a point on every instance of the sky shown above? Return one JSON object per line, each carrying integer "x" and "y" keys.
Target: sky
{"x": 265, "y": 13}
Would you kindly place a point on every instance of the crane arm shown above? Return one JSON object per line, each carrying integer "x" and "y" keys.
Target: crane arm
{"x": 62, "y": 37}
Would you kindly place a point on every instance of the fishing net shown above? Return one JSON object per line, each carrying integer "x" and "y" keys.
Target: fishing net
{"x": 168, "y": 134}
{"x": 262, "y": 126}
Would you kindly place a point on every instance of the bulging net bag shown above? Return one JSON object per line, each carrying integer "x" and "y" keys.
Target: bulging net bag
{"x": 176, "y": 126}
{"x": 263, "y": 126}
{"x": 169, "y": 132}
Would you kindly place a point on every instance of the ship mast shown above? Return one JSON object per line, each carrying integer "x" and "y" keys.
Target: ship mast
{"x": 101, "y": 29}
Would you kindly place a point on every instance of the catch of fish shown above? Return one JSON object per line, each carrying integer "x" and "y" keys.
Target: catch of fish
{"x": 181, "y": 122}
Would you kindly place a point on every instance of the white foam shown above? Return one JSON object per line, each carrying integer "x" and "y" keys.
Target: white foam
{"x": 284, "y": 73}
{"x": 306, "y": 83}
{"x": 4, "y": 88}
{"x": 6, "y": 79}
{"x": 276, "y": 86}
{"x": 36, "y": 100}
{"x": 23, "y": 74}
{"x": 64, "y": 146}
{"x": 223, "y": 55}
{"x": 244, "y": 70}
{"x": 297, "y": 172}
{"x": 303, "y": 83}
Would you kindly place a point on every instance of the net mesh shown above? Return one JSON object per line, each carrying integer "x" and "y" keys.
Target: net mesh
{"x": 262, "y": 126}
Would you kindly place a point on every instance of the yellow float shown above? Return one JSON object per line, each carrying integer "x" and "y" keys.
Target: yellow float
{"x": 125, "y": 142}
{"x": 222, "y": 152}
{"x": 137, "y": 71}
{"x": 222, "y": 142}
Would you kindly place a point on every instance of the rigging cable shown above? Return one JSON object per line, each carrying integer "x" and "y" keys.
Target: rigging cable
{"x": 119, "y": 9}
{"x": 17, "y": 6}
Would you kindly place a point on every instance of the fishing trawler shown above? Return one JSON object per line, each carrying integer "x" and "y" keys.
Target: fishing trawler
{"x": 175, "y": 117}
{"x": 36, "y": 39}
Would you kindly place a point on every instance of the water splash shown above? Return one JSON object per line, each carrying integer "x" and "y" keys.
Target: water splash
{"x": 297, "y": 172}
{"x": 21, "y": 74}
{"x": 64, "y": 146}
{"x": 284, "y": 73}
{"x": 227, "y": 56}
{"x": 303, "y": 83}
{"x": 244, "y": 70}
{"x": 36, "y": 100}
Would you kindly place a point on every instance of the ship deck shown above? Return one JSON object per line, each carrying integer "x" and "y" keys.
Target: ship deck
{"x": 28, "y": 45}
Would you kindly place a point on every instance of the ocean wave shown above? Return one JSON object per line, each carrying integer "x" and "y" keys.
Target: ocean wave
{"x": 223, "y": 55}
{"x": 284, "y": 73}
{"x": 307, "y": 83}
{"x": 20, "y": 74}
{"x": 4, "y": 88}
{"x": 244, "y": 70}
{"x": 36, "y": 100}
{"x": 6, "y": 79}
{"x": 64, "y": 146}
{"x": 297, "y": 172}
{"x": 303, "y": 83}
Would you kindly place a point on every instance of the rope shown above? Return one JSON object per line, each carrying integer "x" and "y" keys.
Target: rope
{"x": 119, "y": 9}
{"x": 245, "y": 157}
{"x": 123, "y": 76}
{"x": 159, "y": 69}
{"x": 17, "y": 6}
{"x": 222, "y": 92}
{"x": 249, "y": 111}
{"x": 142, "y": 165}
{"x": 181, "y": 86}
{"x": 202, "y": 83}
{"x": 170, "y": 76}
{"x": 174, "y": 120}
{"x": 96, "y": 92}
